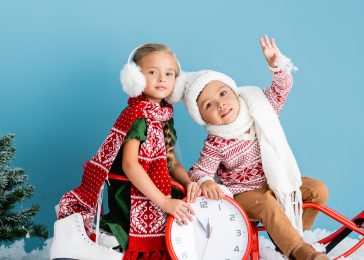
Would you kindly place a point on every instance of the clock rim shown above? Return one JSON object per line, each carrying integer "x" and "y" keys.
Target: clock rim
{"x": 237, "y": 206}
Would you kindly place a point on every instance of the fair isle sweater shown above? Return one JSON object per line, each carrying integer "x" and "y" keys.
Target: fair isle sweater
{"x": 238, "y": 163}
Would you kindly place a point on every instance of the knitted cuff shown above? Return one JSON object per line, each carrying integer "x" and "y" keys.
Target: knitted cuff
{"x": 283, "y": 63}
{"x": 226, "y": 191}
{"x": 205, "y": 178}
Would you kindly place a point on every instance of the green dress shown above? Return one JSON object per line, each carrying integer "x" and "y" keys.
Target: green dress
{"x": 117, "y": 220}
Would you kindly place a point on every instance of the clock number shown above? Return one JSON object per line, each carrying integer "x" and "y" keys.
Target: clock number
{"x": 236, "y": 249}
{"x": 232, "y": 217}
{"x": 184, "y": 255}
{"x": 178, "y": 240}
{"x": 219, "y": 207}
{"x": 203, "y": 204}
{"x": 238, "y": 232}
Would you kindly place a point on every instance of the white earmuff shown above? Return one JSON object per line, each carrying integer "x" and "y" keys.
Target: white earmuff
{"x": 179, "y": 88}
{"x": 131, "y": 78}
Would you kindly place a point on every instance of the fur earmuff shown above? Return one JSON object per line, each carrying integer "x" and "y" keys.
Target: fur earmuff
{"x": 179, "y": 88}
{"x": 132, "y": 80}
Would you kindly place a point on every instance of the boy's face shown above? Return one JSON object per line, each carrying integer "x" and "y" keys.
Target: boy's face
{"x": 218, "y": 104}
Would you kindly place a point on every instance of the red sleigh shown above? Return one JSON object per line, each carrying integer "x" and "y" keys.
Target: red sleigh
{"x": 356, "y": 225}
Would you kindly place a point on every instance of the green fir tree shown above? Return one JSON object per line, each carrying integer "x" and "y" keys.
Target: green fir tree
{"x": 15, "y": 222}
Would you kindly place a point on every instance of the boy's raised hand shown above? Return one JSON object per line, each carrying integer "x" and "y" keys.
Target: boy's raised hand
{"x": 270, "y": 50}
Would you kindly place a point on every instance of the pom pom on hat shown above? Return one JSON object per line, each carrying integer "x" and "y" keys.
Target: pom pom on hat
{"x": 132, "y": 80}
{"x": 189, "y": 86}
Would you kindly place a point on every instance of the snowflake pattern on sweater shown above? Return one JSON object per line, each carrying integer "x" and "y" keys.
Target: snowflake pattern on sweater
{"x": 238, "y": 163}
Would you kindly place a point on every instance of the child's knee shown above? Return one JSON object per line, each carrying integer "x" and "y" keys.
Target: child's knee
{"x": 314, "y": 190}
{"x": 319, "y": 190}
{"x": 323, "y": 192}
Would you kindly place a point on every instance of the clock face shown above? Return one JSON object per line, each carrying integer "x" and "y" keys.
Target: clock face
{"x": 220, "y": 230}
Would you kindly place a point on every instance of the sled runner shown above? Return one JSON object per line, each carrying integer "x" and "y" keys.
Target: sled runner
{"x": 343, "y": 232}
{"x": 68, "y": 238}
{"x": 356, "y": 224}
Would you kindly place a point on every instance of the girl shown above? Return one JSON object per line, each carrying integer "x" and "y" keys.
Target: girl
{"x": 140, "y": 145}
{"x": 248, "y": 150}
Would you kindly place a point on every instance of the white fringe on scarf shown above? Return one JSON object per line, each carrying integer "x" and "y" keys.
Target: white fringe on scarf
{"x": 279, "y": 164}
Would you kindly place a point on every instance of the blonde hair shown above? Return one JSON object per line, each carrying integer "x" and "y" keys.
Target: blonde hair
{"x": 150, "y": 48}
{"x": 169, "y": 139}
{"x": 141, "y": 53}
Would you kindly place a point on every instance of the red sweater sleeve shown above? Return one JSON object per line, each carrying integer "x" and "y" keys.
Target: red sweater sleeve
{"x": 281, "y": 85}
{"x": 208, "y": 163}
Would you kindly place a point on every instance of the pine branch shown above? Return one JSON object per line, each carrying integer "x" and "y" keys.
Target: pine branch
{"x": 39, "y": 231}
{"x": 11, "y": 177}
{"x": 20, "y": 225}
{"x": 10, "y": 233}
{"x": 7, "y": 151}
{"x": 13, "y": 190}
{"x": 19, "y": 194}
{"x": 20, "y": 217}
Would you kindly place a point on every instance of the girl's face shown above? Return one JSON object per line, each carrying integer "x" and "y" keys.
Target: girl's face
{"x": 218, "y": 104}
{"x": 160, "y": 70}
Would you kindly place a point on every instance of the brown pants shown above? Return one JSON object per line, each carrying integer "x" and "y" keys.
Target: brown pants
{"x": 261, "y": 204}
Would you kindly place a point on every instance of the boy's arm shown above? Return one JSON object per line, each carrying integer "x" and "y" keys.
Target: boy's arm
{"x": 204, "y": 170}
{"x": 281, "y": 84}
{"x": 206, "y": 166}
{"x": 281, "y": 67}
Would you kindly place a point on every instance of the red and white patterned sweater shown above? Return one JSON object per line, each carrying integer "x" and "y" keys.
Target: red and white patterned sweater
{"x": 238, "y": 163}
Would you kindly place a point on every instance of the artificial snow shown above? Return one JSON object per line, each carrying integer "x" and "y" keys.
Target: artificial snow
{"x": 267, "y": 250}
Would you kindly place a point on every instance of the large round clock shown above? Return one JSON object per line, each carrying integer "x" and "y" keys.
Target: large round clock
{"x": 220, "y": 230}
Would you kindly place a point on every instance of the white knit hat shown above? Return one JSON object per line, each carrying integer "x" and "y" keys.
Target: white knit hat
{"x": 189, "y": 86}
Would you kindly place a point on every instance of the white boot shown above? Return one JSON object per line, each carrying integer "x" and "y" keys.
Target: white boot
{"x": 70, "y": 241}
{"x": 106, "y": 239}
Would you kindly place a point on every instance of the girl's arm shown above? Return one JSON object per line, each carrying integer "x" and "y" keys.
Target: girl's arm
{"x": 180, "y": 175}
{"x": 140, "y": 179}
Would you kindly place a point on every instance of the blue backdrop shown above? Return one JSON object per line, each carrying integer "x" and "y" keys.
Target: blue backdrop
{"x": 60, "y": 90}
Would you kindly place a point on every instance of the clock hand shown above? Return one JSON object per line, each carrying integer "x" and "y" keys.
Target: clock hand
{"x": 204, "y": 249}
{"x": 208, "y": 238}
{"x": 208, "y": 227}
{"x": 201, "y": 224}
{"x": 210, "y": 232}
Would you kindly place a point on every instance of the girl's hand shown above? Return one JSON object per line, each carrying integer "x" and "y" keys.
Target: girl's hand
{"x": 179, "y": 209}
{"x": 211, "y": 190}
{"x": 270, "y": 50}
{"x": 193, "y": 190}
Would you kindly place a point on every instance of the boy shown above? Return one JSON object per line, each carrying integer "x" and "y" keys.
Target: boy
{"x": 247, "y": 149}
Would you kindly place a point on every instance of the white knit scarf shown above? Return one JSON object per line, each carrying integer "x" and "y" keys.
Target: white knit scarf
{"x": 279, "y": 164}
{"x": 236, "y": 129}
